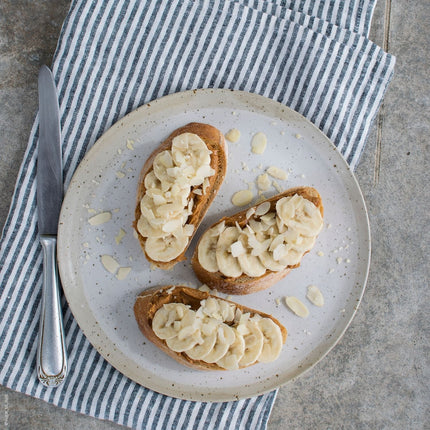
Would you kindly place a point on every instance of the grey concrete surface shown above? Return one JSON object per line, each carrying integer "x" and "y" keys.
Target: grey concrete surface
{"x": 377, "y": 377}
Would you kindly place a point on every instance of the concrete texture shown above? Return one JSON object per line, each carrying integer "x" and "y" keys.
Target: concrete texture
{"x": 377, "y": 377}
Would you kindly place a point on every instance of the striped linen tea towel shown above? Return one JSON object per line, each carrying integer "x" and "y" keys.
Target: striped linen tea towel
{"x": 112, "y": 57}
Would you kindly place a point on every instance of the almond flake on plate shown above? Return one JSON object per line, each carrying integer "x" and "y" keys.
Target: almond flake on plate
{"x": 297, "y": 306}
{"x": 100, "y": 218}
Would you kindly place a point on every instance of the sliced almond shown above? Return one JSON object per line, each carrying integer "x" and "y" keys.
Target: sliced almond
{"x": 277, "y": 173}
{"x": 233, "y": 135}
{"x": 315, "y": 296}
{"x": 119, "y": 236}
{"x": 242, "y": 198}
{"x": 109, "y": 263}
{"x": 297, "y": 306}
{"x": 100, "y": 218}
{"x": 263, "y": 182}
{"x": 250, "y": 212}
{"x": 258, "y": 143}
{"x": 262, "y": 209}
{"x": 123, "y": 273}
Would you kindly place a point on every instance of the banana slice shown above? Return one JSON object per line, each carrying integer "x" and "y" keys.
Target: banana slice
{"x": 272, "y": 340}
{"x": 166, "y": 248}
{"x": 300, "y": 214}
{"x": 234, "y": 354}
{"x": 268, "y": 262}
{"x": 286, "y": 255}
{"x": 251, "y": 265}
{"x": 200, "y": 351}
{"x": 170, "y": 318}
{"x": 188, "y": 149}
{"x": 209, "y": 336}
{"x": 225, "y": 337}
{"x": 227, "y": 264}
{"x": 151, "y": 181}
{"x": 253, "y": 338}
{"x": 207, "y": 252}
{"x": 148, "y": 230}
{"x": 186, "y": 338}
{"x": 162, "y": 162}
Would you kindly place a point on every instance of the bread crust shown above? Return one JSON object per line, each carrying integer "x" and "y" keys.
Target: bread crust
{"x": 215, "y": 142}
{"x": 245, "y": 284}
{"x": 152, "y": 299}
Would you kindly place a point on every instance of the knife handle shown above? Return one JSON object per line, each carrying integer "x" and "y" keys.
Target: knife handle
{"x": 51, "y": 353}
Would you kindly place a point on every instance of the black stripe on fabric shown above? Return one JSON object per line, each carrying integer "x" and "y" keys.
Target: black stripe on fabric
{"x": 220, "y": 415}
{"x": 120, "y": 399}
{"x": 217, "y": 34}
{"x": 209, "y": 416}
{"x": 150, "y": 394}
{"x": 319, "y": 77}
{"x": 285, "y": 61}
{"x": 71, "y": 79}
{"x": 146, "y": 412}
{"x": 370, "y": 104}
{"x": 110, "y": 374}
{"x": 15, "y": 316}
{"x": 237, "y": 48}
{"x": 87, "y": 373}
{"x": 243, "y": 408}
{"x": 75, "y": 358}
{"x": 127, "y": 410}
{"x": 310, "y": 53}
{"x": 223, "y": 57}
{"x": 100, "y": 370}
{"x": 123, "y": 76}
{"x": 136, "y": 63}
{"x": 241, "y": 85}
{"x": 80, "y": 145}
{"x": 265, "y": 22}
{"x": 198, "y": 35}
{"x": 184, "y": 45}
{"x": 21, "y": 198}
{"x": 158, "y": 91}
{"x": 266, "y": 409}
{"x": 352, "y": 94}
{"x": 207, "y": 40}
{"x": 263, "y": 65}
{"x": 349, "y": 15}
{"x": 104, "y": 124}
{"x": 340, "y": 78}
{"x": 105, "y": 87}
{"x": 355, "y": 155}
{"x": 159, "y": 56}
{"x": 172, "y": 404}
{"x": 145, "y": 71}
{"x": 71, "y": 13}
{"x": 368, "y": 16}
{"x": 33, "y": 336}
{"x": 114, "y": 392}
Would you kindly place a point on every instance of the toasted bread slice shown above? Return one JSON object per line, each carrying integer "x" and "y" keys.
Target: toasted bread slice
{"x": 152, "y": 299}
{"x": 245, "y": 284}
{"x": 215, "y": 142}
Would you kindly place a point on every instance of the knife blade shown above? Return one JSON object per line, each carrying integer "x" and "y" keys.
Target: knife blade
{"x": 51, "y": 354}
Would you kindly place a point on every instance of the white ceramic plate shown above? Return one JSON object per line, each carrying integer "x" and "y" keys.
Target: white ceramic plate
{"x": 106, "y": 180}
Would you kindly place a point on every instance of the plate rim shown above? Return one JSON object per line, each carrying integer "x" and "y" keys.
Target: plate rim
{"x": 214, "y": 396}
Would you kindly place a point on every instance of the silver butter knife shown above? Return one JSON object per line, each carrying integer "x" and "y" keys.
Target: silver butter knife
{"x": 51, "y": 354}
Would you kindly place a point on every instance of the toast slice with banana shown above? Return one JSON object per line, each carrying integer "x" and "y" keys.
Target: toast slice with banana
{"x": 257, "y": 247}
{"x": 205, "y": 332}
{"x": 177, "y": 184}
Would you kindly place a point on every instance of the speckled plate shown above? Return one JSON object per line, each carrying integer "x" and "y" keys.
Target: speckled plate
{"x": 106, "y": 180}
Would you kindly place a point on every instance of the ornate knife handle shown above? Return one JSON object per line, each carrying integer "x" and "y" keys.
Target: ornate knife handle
{"x": 51, "y": 353}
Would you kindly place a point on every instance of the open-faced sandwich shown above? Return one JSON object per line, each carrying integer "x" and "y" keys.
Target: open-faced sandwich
{"x": 177, "y": 184}
{"x": 206, "y": 332}
{"x": 255, "y": 248}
